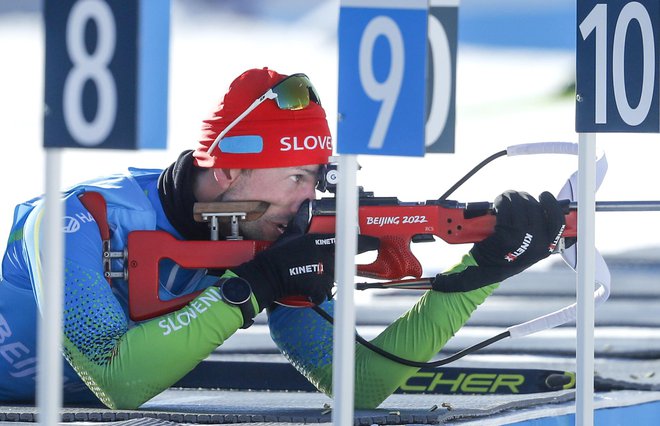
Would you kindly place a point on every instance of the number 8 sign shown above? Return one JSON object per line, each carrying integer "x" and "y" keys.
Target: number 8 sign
{"x": 382, "y": 77}
{"x": 106, "y": 73}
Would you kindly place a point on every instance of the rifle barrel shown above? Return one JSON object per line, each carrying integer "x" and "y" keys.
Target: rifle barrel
{"x": 624, "y": 206}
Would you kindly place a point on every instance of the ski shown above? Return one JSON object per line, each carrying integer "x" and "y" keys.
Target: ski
{"x": 281, "y": 376}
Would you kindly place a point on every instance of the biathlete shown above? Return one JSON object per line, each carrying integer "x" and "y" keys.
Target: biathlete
{"x": 266, "y": 141}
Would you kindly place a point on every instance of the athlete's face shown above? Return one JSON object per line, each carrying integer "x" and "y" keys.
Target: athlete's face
{"x": 285, "y": 189}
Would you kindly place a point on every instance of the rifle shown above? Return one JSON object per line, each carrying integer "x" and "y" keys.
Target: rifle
{"x": 395, "y": 223}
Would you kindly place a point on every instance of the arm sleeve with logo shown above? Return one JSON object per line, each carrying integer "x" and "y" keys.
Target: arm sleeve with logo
{"x": 124, "y": 367}
{"x": 306, "y": 340}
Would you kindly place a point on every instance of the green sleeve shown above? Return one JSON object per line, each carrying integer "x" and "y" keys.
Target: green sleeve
{"x": 149, "y": 358}
{"x": 417, "y": 335}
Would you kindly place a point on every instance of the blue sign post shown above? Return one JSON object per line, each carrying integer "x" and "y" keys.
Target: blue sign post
{"x": 382, "y": 77}
{"x": 617, "y": 66}
{"x": 106, "y": 73}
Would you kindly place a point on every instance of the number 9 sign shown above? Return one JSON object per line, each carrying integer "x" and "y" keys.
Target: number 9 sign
{"x": 382, "y": 77}
{"x": 106, "y": 73}
{"x": 617, "y": 66}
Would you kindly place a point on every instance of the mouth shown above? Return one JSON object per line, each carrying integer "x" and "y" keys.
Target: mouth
{"x": 279, "y": 223}
{"x": 281, "y": 227}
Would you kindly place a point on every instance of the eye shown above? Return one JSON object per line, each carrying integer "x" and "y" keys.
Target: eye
{"x": 297, "y": 178}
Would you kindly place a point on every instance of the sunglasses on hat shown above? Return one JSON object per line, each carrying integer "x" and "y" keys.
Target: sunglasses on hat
{"x": 293, "y": 93}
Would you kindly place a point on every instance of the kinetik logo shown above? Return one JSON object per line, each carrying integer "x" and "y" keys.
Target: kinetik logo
{"x": 316, "y": 268}
{"x": 553, "y": 245}
{"x": 324, "y": 241}
{"x": 527, "y": 240}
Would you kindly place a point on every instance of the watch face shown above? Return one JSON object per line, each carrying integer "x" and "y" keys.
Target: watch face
{"x": 236, "y": 291}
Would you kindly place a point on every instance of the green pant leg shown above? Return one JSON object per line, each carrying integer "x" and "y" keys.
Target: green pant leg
{"x": 417, "y": 335}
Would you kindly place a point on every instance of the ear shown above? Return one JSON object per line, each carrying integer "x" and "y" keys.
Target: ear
{"x": 226, "y": 177}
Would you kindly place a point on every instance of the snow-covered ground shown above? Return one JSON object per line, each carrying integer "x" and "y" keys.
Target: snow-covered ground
{"x": 504, "y": 97}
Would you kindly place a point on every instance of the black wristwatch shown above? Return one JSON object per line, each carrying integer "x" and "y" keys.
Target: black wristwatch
{"x": 236, "y": 291}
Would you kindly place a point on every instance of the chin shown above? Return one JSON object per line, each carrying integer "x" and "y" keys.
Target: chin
{"x": 262, "y": 234}
{"x": 271, "y": 236}
{"x": 260, "y": 230}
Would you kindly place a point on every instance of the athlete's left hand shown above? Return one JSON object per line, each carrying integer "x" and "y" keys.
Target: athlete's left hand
{"x": 526, "y": 231}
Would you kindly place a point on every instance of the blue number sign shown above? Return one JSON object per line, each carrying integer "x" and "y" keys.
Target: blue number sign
{"x": 106, "y": 73}
{"x": 617, "y": 66}
{"x": 382, "y": 77}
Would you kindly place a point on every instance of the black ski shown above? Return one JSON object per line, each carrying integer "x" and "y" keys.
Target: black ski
{"x": 281, "y": 376}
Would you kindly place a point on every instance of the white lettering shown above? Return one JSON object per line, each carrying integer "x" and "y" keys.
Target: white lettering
{"x": 163, "y": 324}
{"x": 185, "y": 316}
{"x": 383, "y": 220}
{"x": 553, "y": 246}
{"x": 13, "y": 349}
{"x": 85, "y": 217}
{"x": 209, "y": 297}
{"x": 310, "y": 143}
{"x": 5, "y": 331}
{"x": 174, "y": 326}
{"x": 316, "y": 268}
{"x": 286, "y": 144}
{"x": 527, "y": 240}
{"x": 70, "y": 225}
{"x": 324, "y": 241}
{"x": 198, "y": 306}
{"x": 22, "y": 371}
{"x": 16, "y": 354}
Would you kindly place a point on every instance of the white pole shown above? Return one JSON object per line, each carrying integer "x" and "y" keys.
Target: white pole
{"x": 343, "y": 366}
{"x": 49, "y": 355}
{"x": 586, "y": 278}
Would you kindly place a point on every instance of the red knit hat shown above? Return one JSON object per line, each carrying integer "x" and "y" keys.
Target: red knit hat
{"x": 268, "y": 136}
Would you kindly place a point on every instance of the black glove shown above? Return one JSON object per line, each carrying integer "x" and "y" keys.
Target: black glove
{"x": 526, "y": 231}
{"x": 296, "y": 265}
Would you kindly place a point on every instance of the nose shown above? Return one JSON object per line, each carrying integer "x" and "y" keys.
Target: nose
{"x": 308, "y": 193}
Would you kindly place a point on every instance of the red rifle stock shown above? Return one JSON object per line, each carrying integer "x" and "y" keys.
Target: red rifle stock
{"x": 396, "y": 224}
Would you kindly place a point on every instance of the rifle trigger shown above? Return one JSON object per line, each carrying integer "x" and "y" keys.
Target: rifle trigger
{"x": 423, "y": 238}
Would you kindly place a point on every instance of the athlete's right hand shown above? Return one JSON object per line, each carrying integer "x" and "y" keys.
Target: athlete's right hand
{"x": 296, "y": 264}
{"x": 301, "y": 265}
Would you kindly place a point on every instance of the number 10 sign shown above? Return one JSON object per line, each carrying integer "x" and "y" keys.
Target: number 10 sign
{"x": 382, "y": 77}
{"x": 617, "y": 66}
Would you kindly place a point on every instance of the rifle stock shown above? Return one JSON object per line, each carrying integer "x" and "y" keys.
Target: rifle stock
{"x": 396, "y": 224}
